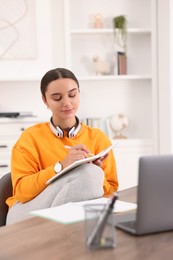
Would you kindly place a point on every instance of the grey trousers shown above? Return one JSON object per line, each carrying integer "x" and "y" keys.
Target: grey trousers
{"x": 82, "y": 183}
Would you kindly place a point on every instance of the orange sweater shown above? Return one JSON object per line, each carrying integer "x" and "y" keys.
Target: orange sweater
{"x": 38, "y": 149}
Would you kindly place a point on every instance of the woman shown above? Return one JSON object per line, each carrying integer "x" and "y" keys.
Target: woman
{"x": 41, "y": 152}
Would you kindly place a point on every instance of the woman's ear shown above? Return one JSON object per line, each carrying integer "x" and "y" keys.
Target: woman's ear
{"x": 44, "y": 100}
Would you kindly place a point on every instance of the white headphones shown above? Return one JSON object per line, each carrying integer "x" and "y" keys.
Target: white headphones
{"x": 71, "y": 133}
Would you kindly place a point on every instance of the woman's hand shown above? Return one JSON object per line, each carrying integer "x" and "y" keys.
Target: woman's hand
{"x": 99, "y": 162}
{"x": 75, "y": 153}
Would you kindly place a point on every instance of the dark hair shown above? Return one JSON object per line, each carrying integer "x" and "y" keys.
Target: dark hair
{"x": 58, "y": 73}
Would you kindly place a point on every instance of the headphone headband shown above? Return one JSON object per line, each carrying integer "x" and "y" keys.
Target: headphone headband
{"x": 60, "y": 133}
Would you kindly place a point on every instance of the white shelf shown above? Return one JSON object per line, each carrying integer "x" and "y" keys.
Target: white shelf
{"x": 34, "y": 119}
{"x": 115, "y": 77}
{"x": 111, "y": 31}
{"x": 132, "y": 142}
{"x": 20, "y": 78}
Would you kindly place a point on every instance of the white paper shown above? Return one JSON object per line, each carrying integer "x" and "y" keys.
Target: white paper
{"x": 74, "y": 212}
{"x": 120, "y": 206}
{"x": 66, "y": 213}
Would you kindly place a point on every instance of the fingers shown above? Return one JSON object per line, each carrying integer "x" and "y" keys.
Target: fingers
{"x": 98, "y": 162}
{"x": 81, "y": 147}
{"x": 79, "y": 151}
{"x": 75, "y": 153}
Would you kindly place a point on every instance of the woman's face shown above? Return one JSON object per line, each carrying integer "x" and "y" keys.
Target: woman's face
{"x": 62, "y": 98}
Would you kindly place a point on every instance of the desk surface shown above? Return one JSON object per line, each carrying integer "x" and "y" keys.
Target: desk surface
{"x": 39, "y": 238}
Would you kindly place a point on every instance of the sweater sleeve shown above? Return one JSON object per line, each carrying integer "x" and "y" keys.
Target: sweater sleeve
{"x": 109, "y": 165}
{"x": 27, "y": 176}
{"x": 111, "y": 178}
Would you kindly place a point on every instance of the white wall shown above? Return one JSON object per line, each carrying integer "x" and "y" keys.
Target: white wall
{"x": 171, "y": 72}
{"x": 164, "y": 75}
{"x": 58, "y": 37}
{"x": 20, "y": 80}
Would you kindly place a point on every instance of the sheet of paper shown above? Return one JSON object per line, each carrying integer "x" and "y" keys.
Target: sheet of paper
{"x": 66, "y": 213}
{"x": 74, "y": 212}
{"x": 120, "y": 206}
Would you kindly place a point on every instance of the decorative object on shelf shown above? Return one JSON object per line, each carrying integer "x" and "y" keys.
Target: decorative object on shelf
{"x": 9, "y": 114}
{"x": 120, "y": 35}
{"x": 92, "y": 121}
{"x": 98, "y": 21}
{"x": 118, "y": 124}
{"x": 120, "y": 31}
{"x": 16, "y": 114}
{"x": 102, "y": 67}
{"x": 122, "y": 63}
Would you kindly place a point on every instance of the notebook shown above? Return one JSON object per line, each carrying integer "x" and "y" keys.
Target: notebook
{"x": 79, "y": 162}
{"x": 154, "y": 197}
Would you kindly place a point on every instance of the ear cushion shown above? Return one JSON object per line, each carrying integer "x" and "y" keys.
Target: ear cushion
{"x": 59, "y": 132}
{"x": 71, "y": 133}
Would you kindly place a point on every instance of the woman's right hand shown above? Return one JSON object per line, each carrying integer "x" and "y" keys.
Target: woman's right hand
{"x": 75, "y": 153}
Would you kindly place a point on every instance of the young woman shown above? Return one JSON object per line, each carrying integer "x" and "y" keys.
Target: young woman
{"x": 41, "y": 152}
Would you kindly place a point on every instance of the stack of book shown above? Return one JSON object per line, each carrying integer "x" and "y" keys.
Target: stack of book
{"x": 93, "y": 122}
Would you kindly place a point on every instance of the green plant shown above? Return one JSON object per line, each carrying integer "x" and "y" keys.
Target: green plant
{"x": 120, "y": 30}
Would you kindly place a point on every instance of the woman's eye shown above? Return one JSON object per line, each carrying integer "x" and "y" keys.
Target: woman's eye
{"x": 57, "y": 99}
{"x": 72, "y": 95}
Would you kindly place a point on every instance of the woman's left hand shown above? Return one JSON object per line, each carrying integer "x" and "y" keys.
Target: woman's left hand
{"x": 99, "y": 162}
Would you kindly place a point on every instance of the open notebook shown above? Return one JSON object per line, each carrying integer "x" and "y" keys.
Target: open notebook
{"x": 79, "y": 162}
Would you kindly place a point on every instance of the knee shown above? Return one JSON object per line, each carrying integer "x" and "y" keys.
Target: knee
{"x": 93, "y": 173}
{"x": 92, "y": 178}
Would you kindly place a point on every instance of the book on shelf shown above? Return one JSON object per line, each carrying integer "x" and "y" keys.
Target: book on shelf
{"x": 120, "y": 66}
{"x": 80, "y": 162}
{"x": 92, "y": 121}
{"x": 122, "y": 63}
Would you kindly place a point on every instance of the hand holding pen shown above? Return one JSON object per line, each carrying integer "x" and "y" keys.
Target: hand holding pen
{"x": 75, "y": 153}
{"x": 70, "y": 147}
{"x": 98, "y": 162}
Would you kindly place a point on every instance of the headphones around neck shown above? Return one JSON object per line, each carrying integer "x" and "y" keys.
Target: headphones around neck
{"x": 71, "y": 133}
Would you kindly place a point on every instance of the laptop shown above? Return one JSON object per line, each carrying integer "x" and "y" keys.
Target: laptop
{"x": 154, "y": 197}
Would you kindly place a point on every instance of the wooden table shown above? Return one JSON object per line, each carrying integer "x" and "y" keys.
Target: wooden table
{"x": 39, "y": 238}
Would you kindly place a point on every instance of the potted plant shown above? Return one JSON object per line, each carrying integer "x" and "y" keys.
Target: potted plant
{"x": 120, "y": 31}
{"x": 120, "y": 35}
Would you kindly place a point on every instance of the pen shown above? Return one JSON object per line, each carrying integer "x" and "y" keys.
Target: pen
{"x": 69, "y": 147}
{"x": 100, "y": 225}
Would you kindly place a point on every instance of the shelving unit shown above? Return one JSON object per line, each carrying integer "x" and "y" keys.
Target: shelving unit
{"x": 10, "y": 130}
{"x": 134, "y": 94}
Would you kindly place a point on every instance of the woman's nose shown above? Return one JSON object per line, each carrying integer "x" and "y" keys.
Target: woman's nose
{"x": 66, "y": 101}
